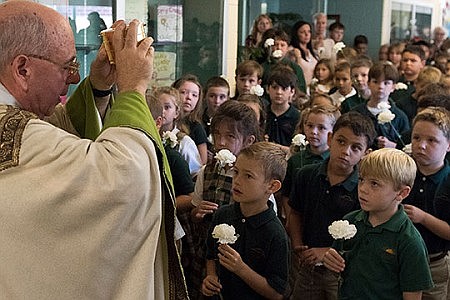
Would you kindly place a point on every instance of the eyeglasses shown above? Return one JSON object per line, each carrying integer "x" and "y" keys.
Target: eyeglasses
{"x": 72, "y": 67}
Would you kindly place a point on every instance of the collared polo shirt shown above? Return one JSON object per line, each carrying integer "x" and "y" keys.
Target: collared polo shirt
{"x": 262, "y": 245}
{"x": 390, "y": 130}
{"x": 384, "y": 261}
{"x": 297, "y": 161}
{"x": 422, "y": 196}
{"x": 319, "y": 203}
{"x": 280, "y": 129}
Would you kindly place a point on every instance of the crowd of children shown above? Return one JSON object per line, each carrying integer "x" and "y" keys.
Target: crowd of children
{"x": 375, "y": 148}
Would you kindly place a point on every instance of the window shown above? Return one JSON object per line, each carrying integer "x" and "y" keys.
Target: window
{"x": 409, "y": 21}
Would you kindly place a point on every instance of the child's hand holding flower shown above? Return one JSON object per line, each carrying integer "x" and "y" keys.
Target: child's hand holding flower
{"x": 340, "y": 230}
{"x": 230, "y": 259}
{"x": 225, "y": 157}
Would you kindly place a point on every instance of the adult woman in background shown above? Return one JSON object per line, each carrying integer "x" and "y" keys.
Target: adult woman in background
{"x": 303, "y": 49}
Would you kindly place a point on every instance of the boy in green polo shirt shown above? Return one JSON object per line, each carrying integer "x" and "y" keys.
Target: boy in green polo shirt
{"x": 387, "y": 258}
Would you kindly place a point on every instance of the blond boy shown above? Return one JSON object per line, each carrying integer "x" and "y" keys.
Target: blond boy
{"x": 387, "y": 258}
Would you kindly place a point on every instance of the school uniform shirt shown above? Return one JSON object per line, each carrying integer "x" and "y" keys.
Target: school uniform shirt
{"x": 408, "y": 105}
{"x": 423, "y": 196}
{"x": 280, "y": 129}
{"x": 338, "y": 98}
{"x": 390, "y": 130}
{"x": 351, "y": 102}
{"x": 384, "y": 261}
{"x": 262, "y": 245}
{"x": 298, "y": 161}
{"x": 319, "y": 203}
{"x": 189, "y": 151}
{"x": 400, "y": 93}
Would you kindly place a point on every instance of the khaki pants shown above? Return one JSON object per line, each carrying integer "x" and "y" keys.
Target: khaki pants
{"x": 318, "y": 283}
{"x": 440, "y": 274}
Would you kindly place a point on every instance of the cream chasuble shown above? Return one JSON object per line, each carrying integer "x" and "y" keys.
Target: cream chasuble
{"x": 86, "y": 218}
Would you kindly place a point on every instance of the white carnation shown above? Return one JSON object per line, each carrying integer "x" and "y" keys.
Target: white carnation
{"x": 225, "y": 233}
{"x": 299, "y": 140}
{"x": 277, "y": 53}
{"x": 385, "y": 116}
{"x": 401, "y": 86}
{"x": 225, "y": 157}
{"x": 338, "y": 47}
{"x": 170, "y": 138}
{"x": 257, "y": 90}
{"x": 342, "y": 229}
{"x": 269, "y": 42}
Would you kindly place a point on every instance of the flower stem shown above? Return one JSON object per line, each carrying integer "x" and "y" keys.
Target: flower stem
{"x": 398, "y": 135}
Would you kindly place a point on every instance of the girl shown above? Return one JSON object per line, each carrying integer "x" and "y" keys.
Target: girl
{"x": 171, "y": 103}
{"x": 395, "y": 54}
{"x": 303, "y": 49}
{"x": 261, "y": 24}
{"x": 191, "y": 122}
{"x": 323, "y": 77}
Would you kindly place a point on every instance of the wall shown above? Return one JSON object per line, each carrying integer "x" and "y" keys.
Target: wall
{"x": 360, "y": 17}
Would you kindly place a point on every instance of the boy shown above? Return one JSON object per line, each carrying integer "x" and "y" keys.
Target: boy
{"x": 217, "y": 91}
{"x": 281, "y": 43}
{"x": 408, "y": 104}
{"x": 233, "y": 127}
{"x": 248, "y": 75}
{"x": 343, "y": 82}
{"x": 360, "y": 74}
{"x": 382, "y": 79}
{"x": 317, "y": 124}
{"x": 281, "y": 115}
{"x": 413, "y": 60}
{"x": 323, "y": 193}
{"x": 336, "y": 32}
{"x": 255, "y": 267}
{"x": 361, "y": 44}
{"x": 387, "y": 258}
{"x": 430, "y": 144}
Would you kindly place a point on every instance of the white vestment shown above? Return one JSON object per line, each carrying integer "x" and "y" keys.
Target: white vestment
{"x": 80, "y": 219}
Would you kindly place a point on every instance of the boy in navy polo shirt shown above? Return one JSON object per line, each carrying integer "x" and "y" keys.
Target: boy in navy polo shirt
{"x": 382, "y": 79}
{"x": 256, "y": 265}
{"x": 282, "y": 117}
{"x": 323, "y": 193}
{"x": 387, "y": 258}
{"x": 431, "y": 216}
